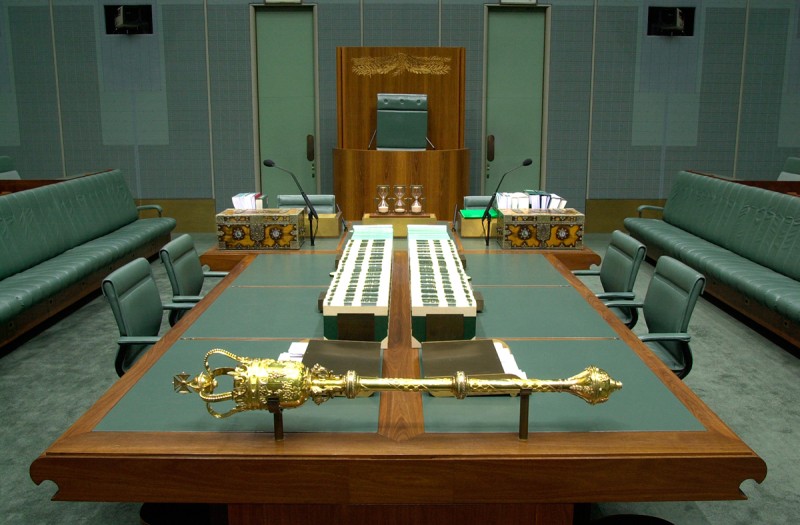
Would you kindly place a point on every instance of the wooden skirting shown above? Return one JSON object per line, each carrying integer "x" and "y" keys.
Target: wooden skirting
{"x": 606, "y": 215}
{"x": 193, "y": 215}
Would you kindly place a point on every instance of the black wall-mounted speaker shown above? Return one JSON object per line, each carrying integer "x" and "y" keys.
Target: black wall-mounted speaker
{"x": 670, "y": 21}
{"x": 128, "y": 19}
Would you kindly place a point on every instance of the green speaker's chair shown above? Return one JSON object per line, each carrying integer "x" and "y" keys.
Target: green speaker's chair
{"x": 617, "y": 272}
{"x": 667, "y": 307}
{"x": 186, "y": 274}
{"x": 134, "y": 299}
{"x": 402, "y": 122}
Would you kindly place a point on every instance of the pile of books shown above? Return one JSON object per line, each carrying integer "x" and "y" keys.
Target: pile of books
{"x": 529, "y": 199}
{"x": 250, "y": 201}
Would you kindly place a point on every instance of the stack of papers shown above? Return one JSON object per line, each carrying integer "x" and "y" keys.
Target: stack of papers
{"x": 428, "y": 232}
{"x": 542, "y": 200}
{"x": 373, "y": 231}
{"x": 530, "y": 199}
{"x": 295, "y": 353}
{"x": 250, "y": 201}
{"x": 508, "y": 361}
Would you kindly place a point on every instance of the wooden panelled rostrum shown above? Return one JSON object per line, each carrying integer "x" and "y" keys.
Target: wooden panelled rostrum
{"x": 442, "y": 169}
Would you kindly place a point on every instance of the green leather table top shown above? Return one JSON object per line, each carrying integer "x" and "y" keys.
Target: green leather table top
{"x": 289, "y": 269}
{"x": 525, "y": 296}
{"x": 152, "y": 405}
{"x": 276, "y": 298}
{"x": 643, "y": 404}
{"x": 512, "y": 269}
{"x": 538, "y": 312}
{"x": 275, "y": 312}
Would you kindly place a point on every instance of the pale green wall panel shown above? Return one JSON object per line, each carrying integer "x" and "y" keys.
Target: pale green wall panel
{"x": 514, "y": 95}
{"x": 9, "y": 131}
{"x": 286, "y": 96}
{"x": 134, "y": 118}
{"x": 9, "y": 117}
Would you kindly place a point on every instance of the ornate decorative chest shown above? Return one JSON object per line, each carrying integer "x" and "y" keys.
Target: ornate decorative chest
{"x": 267, "y": 229}
{"x": 540, "y": 229}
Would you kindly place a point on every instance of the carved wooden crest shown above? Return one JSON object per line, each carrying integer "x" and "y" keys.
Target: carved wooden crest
{"x": 401, "y": 63}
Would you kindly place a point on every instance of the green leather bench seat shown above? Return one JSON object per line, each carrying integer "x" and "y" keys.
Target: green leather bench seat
{"x": 745, "y": 238}
{"x": 55, "y": 236}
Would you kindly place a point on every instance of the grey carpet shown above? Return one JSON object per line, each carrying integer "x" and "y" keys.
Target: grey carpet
{"x": 47, "y": 382}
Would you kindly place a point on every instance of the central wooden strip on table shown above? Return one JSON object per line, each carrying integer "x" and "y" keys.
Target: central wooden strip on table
{"x": 400, "y": 416}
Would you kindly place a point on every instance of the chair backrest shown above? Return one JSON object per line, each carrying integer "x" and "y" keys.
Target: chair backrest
{"x": 7, "y": 171}
{"x": 133, "y": 295}
{"x": 183, "y": 266}
{"x": 671, "y": 296}
{"x": 321, "y": 203}
{"x": 791, "y": 169}
{"x": 621, "y": 262}
{"x": 476, "y": 202}
{"x": 402, "y": 121}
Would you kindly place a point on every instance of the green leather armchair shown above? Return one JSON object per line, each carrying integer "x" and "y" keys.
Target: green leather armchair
{"x": 617, "y": 272}
{"x": 186, "y": 274}
{"x": 667, "y": 308}
{"x": 136, "y": 304}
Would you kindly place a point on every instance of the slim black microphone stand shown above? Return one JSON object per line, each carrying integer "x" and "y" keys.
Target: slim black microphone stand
{"x": 486, "y": 214}
{"x": 312, "y": 212}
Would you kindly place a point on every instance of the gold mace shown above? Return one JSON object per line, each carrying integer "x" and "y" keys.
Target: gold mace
{"x": 262, "y": 384}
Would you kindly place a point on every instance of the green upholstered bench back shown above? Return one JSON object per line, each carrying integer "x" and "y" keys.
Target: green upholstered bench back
{"x": 321, "y": 203}
{"x": 38, "y": 224}
{"x": 761, "y": 225}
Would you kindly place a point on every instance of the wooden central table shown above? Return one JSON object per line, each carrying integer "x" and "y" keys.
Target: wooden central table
{"x": 403, "y": 457}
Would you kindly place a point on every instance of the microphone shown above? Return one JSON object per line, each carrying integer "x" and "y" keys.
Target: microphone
{"x": 486, "y": 215}
{"x": 312, "y": 213}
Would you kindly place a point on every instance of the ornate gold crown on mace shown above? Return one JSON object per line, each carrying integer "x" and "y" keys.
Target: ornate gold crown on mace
{"x": 266, "y": 384}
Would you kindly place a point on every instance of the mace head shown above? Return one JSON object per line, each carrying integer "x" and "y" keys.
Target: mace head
{"x": 594, "y": 385}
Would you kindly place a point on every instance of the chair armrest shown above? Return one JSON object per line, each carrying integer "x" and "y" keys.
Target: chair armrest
{"x": 142, "y": 340}
{"x": 666, "y": 337}
{"x": 645, "y": 207}
{"x": 585, "y": 272}
{"x": 150, "y": 207}
{"x": 178, "y": 306}
{"x": 622, "y": 303}
{"x": 186, "y": 299}
{"x": 211, "y": 273}
{"x": 621, "y": 296}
